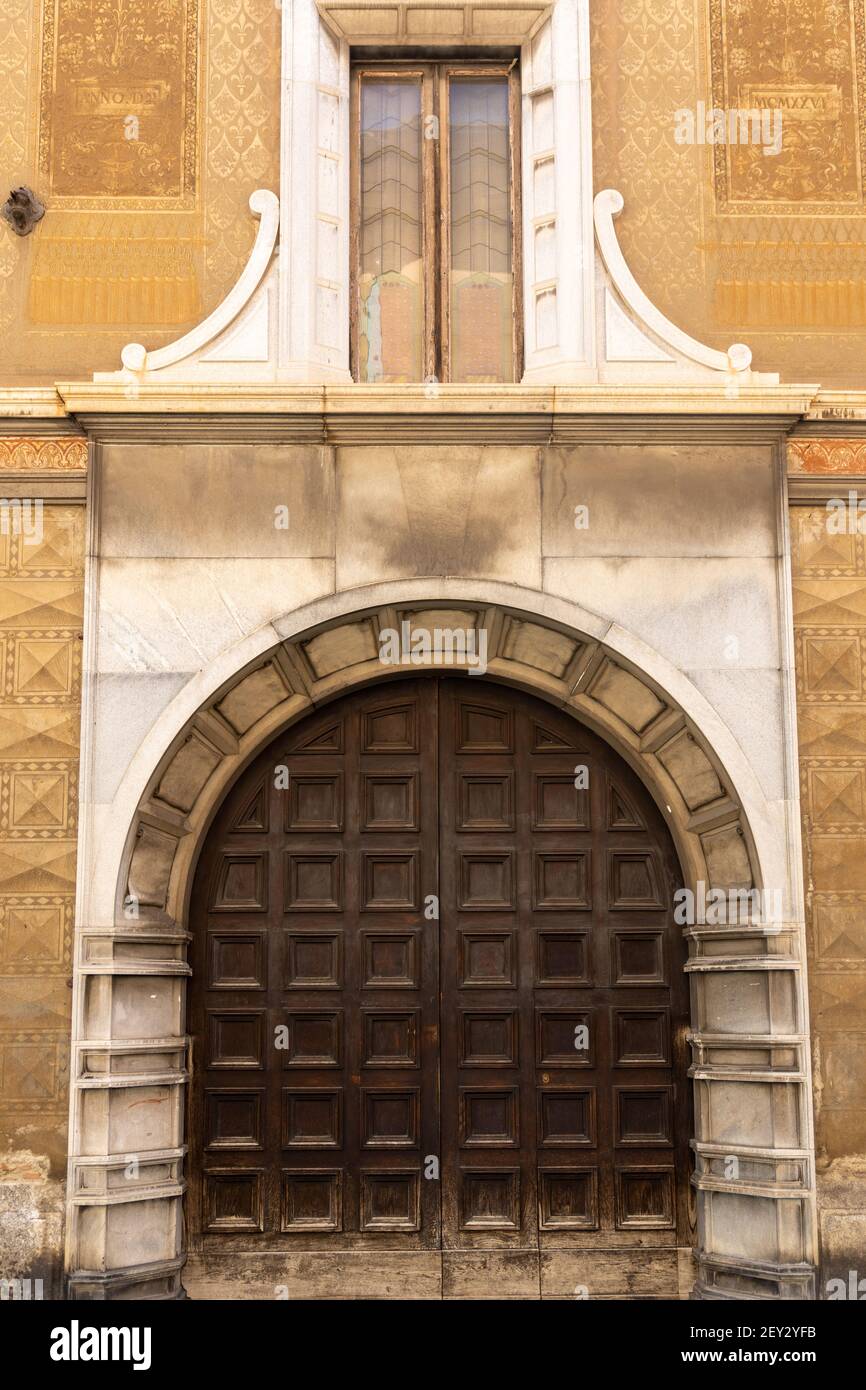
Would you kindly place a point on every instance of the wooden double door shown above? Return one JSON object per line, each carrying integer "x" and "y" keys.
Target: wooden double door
{"x": 437, "y": 1000}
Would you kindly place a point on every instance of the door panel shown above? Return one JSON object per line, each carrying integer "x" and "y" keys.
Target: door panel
{"x": 558, "y": 1003}
{"x": 315, "y": 1012}
{"x": 538, "y": 1019}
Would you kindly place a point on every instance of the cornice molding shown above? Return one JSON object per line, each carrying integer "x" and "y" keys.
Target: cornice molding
{"x": 806, "y": 491}
{"x": 445, "y": 414}
{"x": 515, "y": 414}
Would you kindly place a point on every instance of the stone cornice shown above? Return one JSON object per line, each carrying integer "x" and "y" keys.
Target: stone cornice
{"x": 117, "y": 411}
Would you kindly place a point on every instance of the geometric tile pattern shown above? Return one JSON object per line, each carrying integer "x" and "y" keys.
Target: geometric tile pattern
{"x": 829, "y": 589}
{"x": 41, "y": 599}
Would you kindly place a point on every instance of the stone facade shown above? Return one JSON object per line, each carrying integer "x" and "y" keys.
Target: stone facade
{"x": 639, "y": 527}
{"x": 241, "y": 627}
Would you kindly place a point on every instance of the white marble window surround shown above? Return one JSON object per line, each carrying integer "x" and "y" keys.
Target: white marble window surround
{"x": 558, "y": 300}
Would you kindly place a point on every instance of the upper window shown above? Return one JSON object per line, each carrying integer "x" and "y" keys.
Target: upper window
{"x": 434, "y": 223}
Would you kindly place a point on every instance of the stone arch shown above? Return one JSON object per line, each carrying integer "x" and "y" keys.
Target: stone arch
{"x": 748, "y": 1015}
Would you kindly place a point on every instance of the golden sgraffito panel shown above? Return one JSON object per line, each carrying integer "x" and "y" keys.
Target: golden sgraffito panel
{"x": 118, "y": 104}
{"x": 727, "y": 241}
{"x": 806, "y": 62}
{"x": 829, "y": 589}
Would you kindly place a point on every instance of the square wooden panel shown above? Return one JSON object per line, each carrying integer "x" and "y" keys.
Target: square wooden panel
{"x": 489, "y": 1117}
{"x": 233, "y": 1118}
{"x": 314, "y": 882}
{"x": 638, "y": 958}
{"x": 390, "y": 959}
{"x": 644, "y": 1198}
{"x": 389, "y": 880}
{"x": 240, "y": 883}
{"x": 490, "y": 1199}
{"x": 485, "y": 801}
{"x": 312, "y": 1118}
{"x": 640, "y": 1037}
{"x": 314, "y": 802}
{"x": 564, "y": 1038}
{"x": 560, "y": 882}
{"x": 487, "y": 958}
{"x": 390, "y": 1118}
{"x": 557, "y": 804}
{"x": 566, "y": 1116}
{"x": 236, "y": 1039}
{"x": 488, "y": 1038}
{"x": 391, "y": 728}
{"x": 315, "y": 1038}
{"x": 390, "y": 801}
{"x": 568, "y": 1199}
{"x": 391, "y": 1200}
{"x": 313, "y": 960}
{"x": 561, "y": 957}
{"x": 311, "y": 1199}
{"x": 633, "y": 881}
{"x": 642, "y": 1116}
{"x": 233, "y": 1199}
{"x": 236, "y": 960}
{"x": 391, "y": 1037}
{"x": 484, "y": 729}
{"x": 487, "y": 881}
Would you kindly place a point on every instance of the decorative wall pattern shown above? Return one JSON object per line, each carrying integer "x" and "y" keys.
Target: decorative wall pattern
{"x": 242, "y": 130}
{"x": 827, "y": 456}
{"x": 830, "y": 634}
{"x": 43, "y": 456}
{"x": 41, "y": 584}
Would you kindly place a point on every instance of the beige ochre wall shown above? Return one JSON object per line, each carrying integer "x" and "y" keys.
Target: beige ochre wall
{"x": 144, "y": 236}
{"x": 829, "y": 574}
{"x": 730, "y": 243}
{"x": 41, "y": 584}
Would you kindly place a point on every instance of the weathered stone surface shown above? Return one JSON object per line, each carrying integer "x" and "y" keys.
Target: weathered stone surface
{"x": 625, "y": 696}
{"x": 217, "y": 501}
{"x": 692, "y": 771}
{"x": 412, "y": 510}
{"x": 254, "y": 697}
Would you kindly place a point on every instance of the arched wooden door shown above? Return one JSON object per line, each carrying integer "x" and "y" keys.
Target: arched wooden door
{"x": 438, "y": 1007}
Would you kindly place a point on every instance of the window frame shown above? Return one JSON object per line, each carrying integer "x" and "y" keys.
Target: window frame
{"x": 435, "y": 79}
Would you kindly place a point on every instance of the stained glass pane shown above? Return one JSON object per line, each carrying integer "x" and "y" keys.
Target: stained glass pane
{"x": 481, "y": 270}
{"x": 391, "y": 310}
